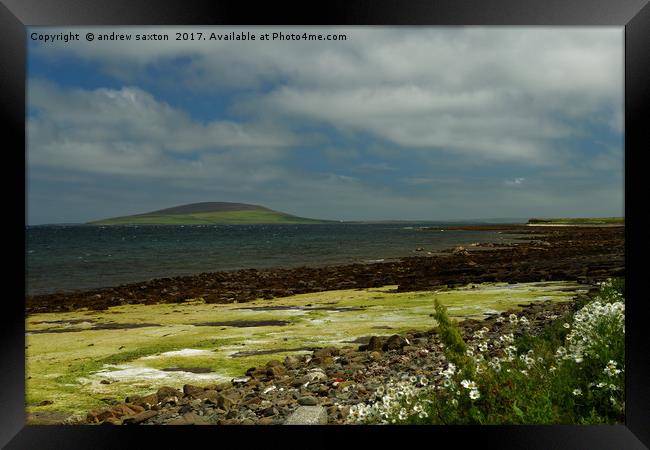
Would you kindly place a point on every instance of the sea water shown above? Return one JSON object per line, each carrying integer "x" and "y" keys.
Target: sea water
{"x": 77, "y": 257}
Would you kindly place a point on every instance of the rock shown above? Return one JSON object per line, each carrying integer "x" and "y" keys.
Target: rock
{"x": 193, "y": 391}
{"x": 99, "y": 415}
{"x": 258, "y": 373}
{"x": 265, "y": 421}
{"x": 123, "y": 410}
{"x": 316, "y": 375}
{"x": 273, "y": 363}
{"x": 276, "y": 371}
{"x": 375, "y": 356}
{"x": 211, "y": 396}
{"x": 189, "y": 418}
{"x": 322, "y": 360}
{"x": 395, "y": 342}
{"x": 185, "y": 409}
{"x": 135, "y": 408}
{"x": 308, "y": 401}
{"x": 247, "y": 422}
{"x": 134, "y": 399}
{"x": 166, "y": 393}
{"x": 375, "y": 344}
{"x": 291, "y": 362}
{"x": 141, "y": 417}
{"x": 112, "y": 421}
{"x": 147, "y": 401}
{"x": 268, "y": 412}
{"x": 251, "y": 401}
{"x": 345, "y": 385}
{"x": 227, "y": 401}
{"x": 308, "y": 415}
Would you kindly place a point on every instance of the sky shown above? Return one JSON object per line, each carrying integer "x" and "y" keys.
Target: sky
{"x": 391, "y": 123}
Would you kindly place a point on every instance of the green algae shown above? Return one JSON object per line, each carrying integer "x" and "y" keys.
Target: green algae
{"x": 67, "y": 367}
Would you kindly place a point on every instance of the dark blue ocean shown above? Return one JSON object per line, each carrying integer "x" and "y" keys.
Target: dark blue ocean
{"x": 78, "y": 257}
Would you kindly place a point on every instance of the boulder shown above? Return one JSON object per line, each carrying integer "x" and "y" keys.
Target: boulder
{"x": 227, "y": 401}
{"x": 193, "y": 391}
{"x": 308, "y": 415}
{"x": 375, "y": 344}
{"x": 395, "y": 342}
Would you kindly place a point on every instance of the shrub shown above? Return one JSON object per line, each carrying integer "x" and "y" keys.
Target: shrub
{"x": 448, "y": 331}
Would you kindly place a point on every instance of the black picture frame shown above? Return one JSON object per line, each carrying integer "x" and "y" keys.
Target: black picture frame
{"x": 633, "y": 15}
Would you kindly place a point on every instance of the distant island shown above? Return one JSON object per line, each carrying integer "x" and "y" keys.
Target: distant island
{"x": 210, "y": 213}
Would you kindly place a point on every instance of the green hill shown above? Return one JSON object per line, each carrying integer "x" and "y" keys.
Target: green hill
{"x": 209, "y": 213}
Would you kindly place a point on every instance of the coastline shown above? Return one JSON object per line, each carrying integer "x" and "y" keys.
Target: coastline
{"x": 579, "y": 255}
{"x": 553, "y": 253}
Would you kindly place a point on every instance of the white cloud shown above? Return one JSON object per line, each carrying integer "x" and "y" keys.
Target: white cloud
{"x": 129, "y": 132}
{"x": 462, "y": 97}
{"x": 498, "y": 94}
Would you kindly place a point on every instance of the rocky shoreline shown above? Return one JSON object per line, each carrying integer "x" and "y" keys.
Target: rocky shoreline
{"x": 582, "y": 254}
{"x": 328, "y": 381}
{"x": 325, "y": 383}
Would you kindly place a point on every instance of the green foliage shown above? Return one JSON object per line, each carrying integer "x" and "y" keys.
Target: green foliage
{"x": 570, "y": 373}
{"x": 448, "y": 331}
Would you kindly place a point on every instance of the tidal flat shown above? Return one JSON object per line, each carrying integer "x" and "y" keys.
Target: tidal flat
{"x": 80, "y": 360}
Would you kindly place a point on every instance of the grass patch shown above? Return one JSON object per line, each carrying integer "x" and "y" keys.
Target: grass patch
{"x": 62, "y": 365}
